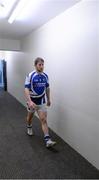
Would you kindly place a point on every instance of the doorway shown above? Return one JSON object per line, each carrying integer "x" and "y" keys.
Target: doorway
{"x": 3, "y": 75}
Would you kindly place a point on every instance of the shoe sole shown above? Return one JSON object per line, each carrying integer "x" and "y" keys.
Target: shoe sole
{"x": 30, "y": 134}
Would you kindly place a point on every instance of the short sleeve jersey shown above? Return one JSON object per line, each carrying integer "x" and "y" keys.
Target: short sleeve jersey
{"x": 37, "y": 83}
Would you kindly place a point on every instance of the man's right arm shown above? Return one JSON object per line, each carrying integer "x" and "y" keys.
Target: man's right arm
{"x": 27, "y": 94}
{"x": 28, "y": 99}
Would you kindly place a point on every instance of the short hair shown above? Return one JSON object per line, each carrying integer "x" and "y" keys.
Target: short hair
{"x": 38, "y": 59}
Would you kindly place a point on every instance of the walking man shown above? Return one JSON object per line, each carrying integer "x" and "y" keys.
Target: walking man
{"x": 37, "y": 93}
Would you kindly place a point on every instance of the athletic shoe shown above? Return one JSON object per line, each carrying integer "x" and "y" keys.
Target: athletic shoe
{"x": 50, "y": 143}
{"x": 29, "y": 131}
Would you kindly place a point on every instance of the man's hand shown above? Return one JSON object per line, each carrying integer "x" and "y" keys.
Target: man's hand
{"x": 31, "y": 104}
{"x": 48, "y": 103}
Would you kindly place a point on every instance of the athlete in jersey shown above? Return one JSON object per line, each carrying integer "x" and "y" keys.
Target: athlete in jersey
{"x": 37, "y": 84}
{"x": 36, "y": 90}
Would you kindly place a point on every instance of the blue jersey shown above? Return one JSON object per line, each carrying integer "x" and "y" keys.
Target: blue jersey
{"x": 37, "y": 84}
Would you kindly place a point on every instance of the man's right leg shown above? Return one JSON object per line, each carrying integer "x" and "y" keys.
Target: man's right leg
{"x": 29, "y": 123}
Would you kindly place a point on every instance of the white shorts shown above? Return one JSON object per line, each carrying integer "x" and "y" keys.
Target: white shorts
{"x": 41, "y": 107}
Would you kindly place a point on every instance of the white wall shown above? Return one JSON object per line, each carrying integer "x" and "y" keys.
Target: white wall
{"x": 17, "y": 63}
{"x": 9, "y": 44}
{"x": 69, "y": 45}
{"x": 2, "y": 54}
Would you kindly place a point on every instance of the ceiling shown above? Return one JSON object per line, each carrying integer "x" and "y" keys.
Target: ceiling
{"x": 31, "y": 17}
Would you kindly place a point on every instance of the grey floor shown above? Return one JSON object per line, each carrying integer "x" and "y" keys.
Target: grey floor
{"x": 24, "y": 157}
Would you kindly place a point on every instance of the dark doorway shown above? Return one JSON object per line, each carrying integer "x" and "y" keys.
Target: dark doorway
{"x": 3, "y": 75}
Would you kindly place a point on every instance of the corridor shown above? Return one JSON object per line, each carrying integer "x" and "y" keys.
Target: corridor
{"x": 24, "y": 157}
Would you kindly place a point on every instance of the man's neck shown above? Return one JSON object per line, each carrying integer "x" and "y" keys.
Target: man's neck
{"x": 39, "y": 72}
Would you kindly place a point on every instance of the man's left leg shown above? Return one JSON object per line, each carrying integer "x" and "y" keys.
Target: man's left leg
{"x": 43, "y": 119}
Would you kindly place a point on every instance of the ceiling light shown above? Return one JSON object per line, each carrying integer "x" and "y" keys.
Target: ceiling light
{"x": 21, "y": 4}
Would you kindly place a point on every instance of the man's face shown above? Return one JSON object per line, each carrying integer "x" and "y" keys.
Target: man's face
{"x": 40, "y": 66}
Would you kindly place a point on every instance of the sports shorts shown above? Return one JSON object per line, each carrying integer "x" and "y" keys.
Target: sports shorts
{"x": 41, "y": 107}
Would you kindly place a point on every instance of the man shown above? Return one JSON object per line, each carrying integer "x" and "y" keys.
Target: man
{"x": 37, "y": 91}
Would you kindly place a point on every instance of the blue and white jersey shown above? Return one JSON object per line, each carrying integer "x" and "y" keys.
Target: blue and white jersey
{"x": 37, "y": 84}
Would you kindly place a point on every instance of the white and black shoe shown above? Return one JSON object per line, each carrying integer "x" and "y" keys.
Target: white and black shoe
{"x": 50, "y": 143}
{"x": 29, "y": 130}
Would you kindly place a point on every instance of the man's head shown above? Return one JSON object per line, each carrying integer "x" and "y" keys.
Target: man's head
{"x": 39, "y": 64}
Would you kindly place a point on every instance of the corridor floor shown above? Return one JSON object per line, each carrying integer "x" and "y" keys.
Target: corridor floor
{"x": 24, "y": 157}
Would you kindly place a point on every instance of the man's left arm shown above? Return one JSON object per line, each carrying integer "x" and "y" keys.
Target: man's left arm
{"x": 48, "y": 96}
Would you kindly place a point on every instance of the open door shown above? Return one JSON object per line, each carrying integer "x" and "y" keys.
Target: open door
{"x": 5, "y": 74}
{"x": 1, "y": 75}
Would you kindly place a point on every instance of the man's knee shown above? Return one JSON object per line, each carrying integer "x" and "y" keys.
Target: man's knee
{"x": 43, "y": 120}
